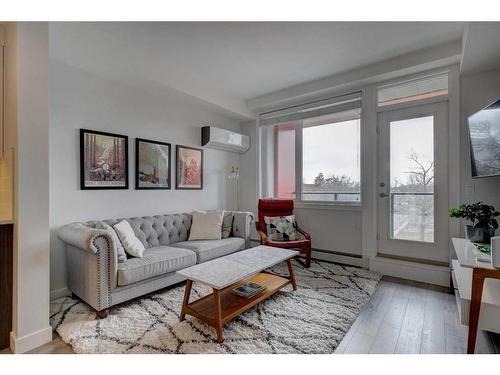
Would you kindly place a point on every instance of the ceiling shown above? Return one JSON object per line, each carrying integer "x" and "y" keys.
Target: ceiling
{"x": 481, "y": 47}
{"x": 225, "y": 64}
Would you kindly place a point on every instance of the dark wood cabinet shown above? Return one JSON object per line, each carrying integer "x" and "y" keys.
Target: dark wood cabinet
{"x": 6, "y": 272}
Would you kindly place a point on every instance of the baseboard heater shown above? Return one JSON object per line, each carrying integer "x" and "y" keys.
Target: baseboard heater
{"x": 410, "y": 270}
{"x": 331, "y": 256}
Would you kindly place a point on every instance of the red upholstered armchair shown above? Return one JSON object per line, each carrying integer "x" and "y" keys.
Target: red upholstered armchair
{"x": 281, "y": 207}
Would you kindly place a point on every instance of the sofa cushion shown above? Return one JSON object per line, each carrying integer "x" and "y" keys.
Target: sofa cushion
{"x": 206, "y": 226}
{"x": 210, "y": 249}
{"x": 156, "y": 261}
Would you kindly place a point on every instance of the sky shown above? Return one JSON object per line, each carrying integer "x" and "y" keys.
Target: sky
{"x": 406, "y": 135}
{"x": 331, "y": 150}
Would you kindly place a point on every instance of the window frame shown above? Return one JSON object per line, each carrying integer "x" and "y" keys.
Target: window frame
{"x": 299, "y": 202}
{"x": 298, "y": 175}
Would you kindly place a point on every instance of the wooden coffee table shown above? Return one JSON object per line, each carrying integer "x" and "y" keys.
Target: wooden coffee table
{"x": 224, "y": 274}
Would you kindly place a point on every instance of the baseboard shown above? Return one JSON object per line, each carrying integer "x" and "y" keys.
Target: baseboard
{"x": 31, "y": 341}
{"x": 58, "y": 293}
{"x": 426, "y": 273}
{"x": 329, "y": 256}
{"x": 336, "y": 257}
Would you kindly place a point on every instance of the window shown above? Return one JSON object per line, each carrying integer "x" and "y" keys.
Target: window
{"x": 278, "y": 160}
{"x": 411, "y": 190}
{"x": 312, "y": 153}
{"x": 330, "y": 157}
{"x": 284, "y": 160}
{"x": 413, "y": 90}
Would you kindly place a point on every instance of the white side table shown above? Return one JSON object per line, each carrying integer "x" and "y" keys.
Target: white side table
{"x": 477, "y": 287}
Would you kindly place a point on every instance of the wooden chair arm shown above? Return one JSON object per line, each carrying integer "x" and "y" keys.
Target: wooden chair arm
{"x": 305, "y": 234}
{"x": 262, "y": 234}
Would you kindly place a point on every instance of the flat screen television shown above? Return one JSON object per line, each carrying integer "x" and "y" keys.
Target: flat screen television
{"x": 484, "y": 133}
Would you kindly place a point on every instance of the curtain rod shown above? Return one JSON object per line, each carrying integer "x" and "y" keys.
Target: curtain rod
{"x": 310, "y": 103}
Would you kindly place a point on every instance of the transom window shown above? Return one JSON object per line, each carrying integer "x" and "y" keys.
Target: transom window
{"x": 413, "y": 90}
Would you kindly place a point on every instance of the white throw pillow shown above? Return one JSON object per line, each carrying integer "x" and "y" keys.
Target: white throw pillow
{"x": 227, "y": 221}
{"x": 206, "y": 226}
{"x": 120, "y": 251}
{"x": 132, "y": 245}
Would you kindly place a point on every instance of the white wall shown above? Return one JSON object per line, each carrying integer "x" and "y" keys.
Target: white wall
{"x": 81, "y": 100}
{"x": 249, "y": 167}
{"x": 477, "y": 91}
{"x": 31, "y": 256}
{"x": 333, "y": 229}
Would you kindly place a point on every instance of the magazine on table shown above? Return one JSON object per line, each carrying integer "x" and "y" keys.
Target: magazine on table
{"x": 249, "y": 290}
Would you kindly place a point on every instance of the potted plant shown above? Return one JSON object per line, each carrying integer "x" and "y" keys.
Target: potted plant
{"x": 482, "y": 217}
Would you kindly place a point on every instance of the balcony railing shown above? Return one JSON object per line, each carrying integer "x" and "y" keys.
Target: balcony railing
{"x": 412, "y": 215}
{"x": 331, "y": 196}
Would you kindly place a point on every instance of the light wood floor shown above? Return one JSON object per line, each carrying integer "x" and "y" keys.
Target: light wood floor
{"x": 402, "y": 317}
{"x": 407, "y": 317}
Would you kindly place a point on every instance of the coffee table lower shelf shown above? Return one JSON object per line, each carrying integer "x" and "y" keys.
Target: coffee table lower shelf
{"x": 222, "y": 305}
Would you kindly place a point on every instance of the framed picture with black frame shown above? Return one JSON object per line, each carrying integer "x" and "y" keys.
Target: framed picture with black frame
{"x": 103, "y": 160}
{"x": 152, "y": 165}
{"x": 189, "y": 168}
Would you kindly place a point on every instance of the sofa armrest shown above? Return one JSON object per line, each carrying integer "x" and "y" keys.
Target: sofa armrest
{"x": 304, "y": 233}
{"x": 242, "y": 224}
{"x": 81, "y": 236}
{"x": 92, "y": 263}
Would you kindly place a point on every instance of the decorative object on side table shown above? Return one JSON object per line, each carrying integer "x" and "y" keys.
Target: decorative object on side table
{"x": 484, "y": 248}
{"x": 103, "y": 160}
{"x": 152, "y": 164}
{"x": 482, "y": 217}
{"x": 189, "y": 161}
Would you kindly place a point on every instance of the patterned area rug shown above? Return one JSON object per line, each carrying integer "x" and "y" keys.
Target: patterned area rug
{"x": 313, "y": 319}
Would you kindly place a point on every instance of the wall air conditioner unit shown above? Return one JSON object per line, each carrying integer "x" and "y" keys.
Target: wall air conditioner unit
{"x": 222, "y": 139}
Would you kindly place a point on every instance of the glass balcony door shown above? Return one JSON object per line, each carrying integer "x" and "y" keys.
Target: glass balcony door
{"x": 412, "y": 185}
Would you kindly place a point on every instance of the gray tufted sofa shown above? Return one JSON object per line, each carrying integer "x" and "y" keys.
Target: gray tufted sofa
{"x": 95, "y": 276}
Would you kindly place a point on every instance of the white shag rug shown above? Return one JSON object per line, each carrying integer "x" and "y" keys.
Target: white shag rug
{"x": 312, "y": 319}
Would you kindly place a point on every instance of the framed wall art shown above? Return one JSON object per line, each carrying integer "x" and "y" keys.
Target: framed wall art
{"x": 189, "y": 162}
{"x": 103, "y": 160}
{"x": 152, "y": 164}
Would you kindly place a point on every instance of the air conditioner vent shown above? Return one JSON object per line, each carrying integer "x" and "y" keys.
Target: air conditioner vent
{"x": 222, "y": 139}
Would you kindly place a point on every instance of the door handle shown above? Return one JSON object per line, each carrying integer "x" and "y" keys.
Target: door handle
{"x": 383, "y": 195}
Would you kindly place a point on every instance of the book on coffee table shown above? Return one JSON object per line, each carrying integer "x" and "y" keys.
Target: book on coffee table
{"x": 248, "y": 290}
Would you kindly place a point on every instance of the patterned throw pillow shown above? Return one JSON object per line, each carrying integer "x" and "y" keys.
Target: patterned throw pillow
{"x": 281, "y": 228}
{"x": 227, "y": 224}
